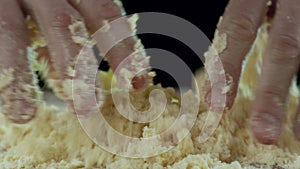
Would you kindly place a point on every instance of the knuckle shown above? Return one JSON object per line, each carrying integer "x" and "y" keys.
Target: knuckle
{"x": 285, "y": 50}
{"x": 12, "y": 25}
{"x": 62, "y": 20}
{"x": 13, "y": 32}
{"x": 271, "y": 91}
{"x": 109, "y": 9}
{"x": 107, "y": 4}
{"x": 242, "y": 27}
{"x": 288, "y": 43}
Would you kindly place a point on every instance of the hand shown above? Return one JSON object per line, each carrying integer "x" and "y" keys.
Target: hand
{"x": 19, "y": 94}
{"x": 240, "y": 23}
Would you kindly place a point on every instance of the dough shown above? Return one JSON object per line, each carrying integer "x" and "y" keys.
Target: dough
{"x": 55, "y": 139}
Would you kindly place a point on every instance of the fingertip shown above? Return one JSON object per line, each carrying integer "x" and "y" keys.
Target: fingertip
{"x": 20, "y": 111}
{"x": 266, "y": 128}
{"x": 138, "y": 82}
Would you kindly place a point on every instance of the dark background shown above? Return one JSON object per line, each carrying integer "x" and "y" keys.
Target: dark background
{"x": 204, "y": 14}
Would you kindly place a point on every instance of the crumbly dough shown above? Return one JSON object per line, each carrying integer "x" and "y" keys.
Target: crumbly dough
{"x": 6, "y": 77}
{"x": 79, "y": 32}
{"x": 55, "y": 139}
{"x": 220, "y": 41}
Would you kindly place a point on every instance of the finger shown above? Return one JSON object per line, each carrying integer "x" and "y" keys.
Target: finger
{"x": 65, "y": 34}
{"x": 233, "y": 39}
{"x": 98, "y": 13}
{"x": 39, "y": 51}
{"x": 19, "y": 94}
{"x": 297, "y": 124}
{"x": 54, "y": 19}
{"x": 280, "y": 64}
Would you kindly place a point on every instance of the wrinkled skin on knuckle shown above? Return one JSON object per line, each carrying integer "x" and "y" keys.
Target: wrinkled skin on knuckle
{"x": 11, "y": 25}
{"x": 272, "y": 92}
{"x": 285, "y": 51}
{"x": 110, "y": 9}
{"x": 61, "y": 20}
{"x": 103, "y": 10}
{"x": 242, "y": 28}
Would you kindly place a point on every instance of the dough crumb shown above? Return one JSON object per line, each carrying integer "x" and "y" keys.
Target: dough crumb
{"x": 105, "y": 26}
{"x": 55, "y": 138}
{"x": 132, "y": 22}
{"x": 220, "y": 42}
{"x": 269, "y": 3}
{"x": 6, "y": 78}
{"x": 79, "y": 32}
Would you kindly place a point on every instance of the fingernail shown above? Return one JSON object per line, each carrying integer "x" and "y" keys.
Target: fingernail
{"x": 266, "y": 128}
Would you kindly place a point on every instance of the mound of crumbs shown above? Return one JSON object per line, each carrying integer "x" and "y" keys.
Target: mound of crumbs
{"x": 55, "y": 138}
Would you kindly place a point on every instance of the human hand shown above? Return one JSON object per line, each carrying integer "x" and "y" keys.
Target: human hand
{"x": 240, "y": 23}
{"x": 19, "y": 94}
